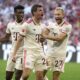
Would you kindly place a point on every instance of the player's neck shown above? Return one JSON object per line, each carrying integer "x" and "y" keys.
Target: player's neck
{"x": 19, "y": 21}
{"x": 36, "y": 21}
{"x": 60, "y": 23}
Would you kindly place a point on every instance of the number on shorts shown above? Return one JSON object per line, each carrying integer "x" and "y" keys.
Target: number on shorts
{"x": 44, "y": 61}
{"x": 58, "y": 63}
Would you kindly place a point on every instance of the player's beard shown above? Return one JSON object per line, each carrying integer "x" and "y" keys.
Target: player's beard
{"x": 20, "y": 19}
{"x": 41, "y": 17}
{"x": 59, "y": 20}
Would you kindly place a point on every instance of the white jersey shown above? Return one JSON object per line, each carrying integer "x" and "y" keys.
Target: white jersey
{"x": 32, "y": 33}
{"x": 14, "y": 28}
{"x": 58, "y": 48}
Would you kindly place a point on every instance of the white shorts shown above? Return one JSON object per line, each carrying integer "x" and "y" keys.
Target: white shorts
{"x": 56, "y": 63}
{"x": 19, "y": 63}
{"x": 32, "y": 61}
{"x": 11, "y": 65}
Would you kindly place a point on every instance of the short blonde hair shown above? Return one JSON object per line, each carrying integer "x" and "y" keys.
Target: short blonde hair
{"x": 59, "y": 8}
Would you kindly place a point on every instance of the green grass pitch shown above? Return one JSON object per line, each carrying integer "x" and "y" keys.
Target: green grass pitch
{"x": 72, "y": 72}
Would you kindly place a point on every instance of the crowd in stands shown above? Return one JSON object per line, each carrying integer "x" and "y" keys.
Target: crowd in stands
{"x": 71, "y": 8}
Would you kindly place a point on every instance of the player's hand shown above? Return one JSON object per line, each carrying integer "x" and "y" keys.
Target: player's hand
{"x": 45, "y": 33}
{"x": 42, "y": 39}
{"x": 14, "y": 58}
{"x": 44, "y": 36}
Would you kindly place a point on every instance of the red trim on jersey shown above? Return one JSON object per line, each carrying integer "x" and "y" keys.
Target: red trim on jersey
{"x": 25, "y": 51}
{"x": 65, "y": 22}
{"x": 29, "y": 20}
{"x": 62, "y": 31}
{"x": 33, "y": 22}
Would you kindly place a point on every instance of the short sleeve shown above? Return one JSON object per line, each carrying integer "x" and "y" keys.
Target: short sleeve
{"x": 8, "y": 29}
{"x": 67, "y": 29}
{"x": 24, "y": 30}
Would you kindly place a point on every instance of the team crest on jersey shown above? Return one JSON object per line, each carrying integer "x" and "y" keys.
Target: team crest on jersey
{"x": 12, "y": 28}
{"x": 52, "y": 28}
{"x": 34, "y": 29}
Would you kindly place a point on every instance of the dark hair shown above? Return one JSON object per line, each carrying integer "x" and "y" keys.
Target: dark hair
{"x": 18, "y": 7}
{"x": 34, "y": 8}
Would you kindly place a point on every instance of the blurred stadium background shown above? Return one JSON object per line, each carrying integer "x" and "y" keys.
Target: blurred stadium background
{"x": 72, "y": 10}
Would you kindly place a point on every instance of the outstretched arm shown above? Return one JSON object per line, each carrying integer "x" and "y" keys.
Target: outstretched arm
{"x": 5, "y": 38}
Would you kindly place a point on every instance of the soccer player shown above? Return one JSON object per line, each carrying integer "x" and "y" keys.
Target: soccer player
{"x": 57, "y": 35}
{"x": 31, "y": 33}
{"x": 12, "y": 31}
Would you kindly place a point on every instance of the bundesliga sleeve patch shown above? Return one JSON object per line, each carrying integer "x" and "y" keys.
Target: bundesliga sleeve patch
{"x": 65, "y": 30}
{"x": 62, "y": 30}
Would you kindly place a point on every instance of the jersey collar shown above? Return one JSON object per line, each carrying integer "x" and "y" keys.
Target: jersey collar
{"x": 35, "y": 22}
{"x": 61, "y": 23}
{"x": 20, "y": 22}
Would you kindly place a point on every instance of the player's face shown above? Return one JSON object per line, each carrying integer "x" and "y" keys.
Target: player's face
{"x": 39, "y": 13}
{"x": 19, "y": 14}
{"x": 59, "y": 15}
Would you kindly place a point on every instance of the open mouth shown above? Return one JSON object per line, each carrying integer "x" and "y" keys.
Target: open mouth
{"x": 58, "y": 19}
{"x": 42, "y": 15}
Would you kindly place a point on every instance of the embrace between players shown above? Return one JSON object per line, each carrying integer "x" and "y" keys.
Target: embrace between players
{"x": 28, "y": 39}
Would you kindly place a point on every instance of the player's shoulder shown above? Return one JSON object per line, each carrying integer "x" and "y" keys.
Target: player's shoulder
{"x": 25, "y": 22}
{"x": 28, "y": 21}
{"x": 67, "y": 24}
{"x": 11, "y": 22}
{"x": 49, "y": 23}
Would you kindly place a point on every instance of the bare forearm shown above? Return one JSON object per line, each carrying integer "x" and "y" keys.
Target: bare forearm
{"x": 50, "y": 37}
{"x": 54, "y": 38}
{"x": 3, "y": 39}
